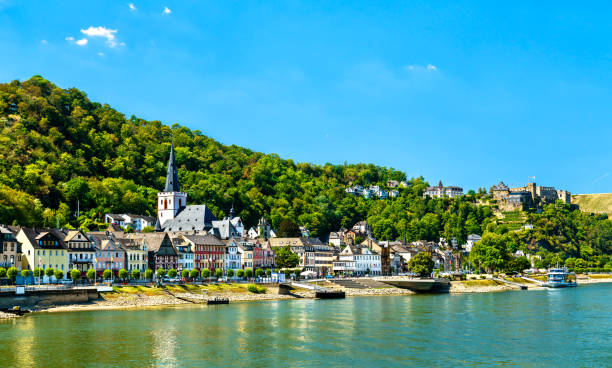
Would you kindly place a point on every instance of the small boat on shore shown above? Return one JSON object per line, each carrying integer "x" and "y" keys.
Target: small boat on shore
{"x": 560, "y": 278}
{"x": 217, "y": 300}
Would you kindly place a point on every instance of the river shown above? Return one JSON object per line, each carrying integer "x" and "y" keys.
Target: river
{"x": 570, "y": 327}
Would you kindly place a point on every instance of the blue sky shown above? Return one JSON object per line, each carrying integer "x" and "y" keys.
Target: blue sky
{"x": 467, "y": 92}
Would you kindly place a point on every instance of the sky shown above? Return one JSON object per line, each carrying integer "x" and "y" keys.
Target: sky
{"x": 465, "y": 92}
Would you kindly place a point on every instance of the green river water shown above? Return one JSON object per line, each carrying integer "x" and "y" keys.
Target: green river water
{"x": 561, "y": 328}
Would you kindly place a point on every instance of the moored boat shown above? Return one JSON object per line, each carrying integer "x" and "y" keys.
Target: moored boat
{"x": 560, "y": 278}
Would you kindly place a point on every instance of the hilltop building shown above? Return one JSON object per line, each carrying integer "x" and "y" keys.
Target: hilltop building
{"x": 531, "y": 195}
{"x": 440, "y": 191}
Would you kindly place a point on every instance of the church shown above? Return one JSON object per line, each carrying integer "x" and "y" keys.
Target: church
{"x": 174, "y": 215}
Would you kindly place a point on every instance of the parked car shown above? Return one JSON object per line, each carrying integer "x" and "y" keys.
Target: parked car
{"x": 66, "y": 282}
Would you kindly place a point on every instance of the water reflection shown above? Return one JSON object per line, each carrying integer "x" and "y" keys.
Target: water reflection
{"x": 515, "y": 328}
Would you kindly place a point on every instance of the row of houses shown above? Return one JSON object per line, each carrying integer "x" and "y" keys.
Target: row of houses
{"x": 373, "y": 191}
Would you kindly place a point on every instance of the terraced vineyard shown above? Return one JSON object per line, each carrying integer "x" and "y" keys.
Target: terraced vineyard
{"x": 513, "y": 219}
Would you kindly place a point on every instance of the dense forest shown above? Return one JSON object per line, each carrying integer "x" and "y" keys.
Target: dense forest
{"x": 59, "y": 149}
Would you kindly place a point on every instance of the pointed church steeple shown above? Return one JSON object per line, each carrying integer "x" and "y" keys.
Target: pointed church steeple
{"x": 172, "y": 182}
{"x": 232, "y": 213}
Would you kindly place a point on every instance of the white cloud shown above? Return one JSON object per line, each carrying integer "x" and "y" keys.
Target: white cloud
{"x": 82, "y": 42}
{"x": 100, "y": 54}
{"x": 166, "y": 10}
{"x": 44, "y": 42}
{"x": 431, "y": 67}
{"x": 104, "y": 32}
{"x": 132, "y": 7}
{"x": 69, "y": 38}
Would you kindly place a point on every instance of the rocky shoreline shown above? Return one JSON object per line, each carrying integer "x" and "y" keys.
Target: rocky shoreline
{"x": 178, "y": 297}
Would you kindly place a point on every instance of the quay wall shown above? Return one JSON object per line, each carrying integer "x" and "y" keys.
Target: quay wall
{"x": 47, "y": 298}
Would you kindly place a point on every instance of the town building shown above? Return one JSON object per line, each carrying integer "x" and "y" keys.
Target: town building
{"x": 81, "y": 250}
{"x": 233, "y": 259}
{"x": 110, "y": 256}
{"x": 314, "y": 255}
{"x": 43, "y": 248}
{"x": 136, "y": 222}
{"x": 10, "y": 248}
{"x": 440, "y": 191}
{"x": 161, "y": 251}
{"x": 471, "y": 240}
{"x": 136, "y": 252}
{"x": 209, "y": 251}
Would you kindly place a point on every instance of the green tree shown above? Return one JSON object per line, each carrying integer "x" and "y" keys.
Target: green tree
{"x": 38, "y": 272}
{"x": 161, "y": 273}
{"x": 12, "y": 273}
{"x": 91, "y": 274}
{"x": 288, "y": 229}
{"x": 268, "y": 272}
{"x": 135, "y": 274}
{"x": 185, "y": 273}
{"x": 107, "y": 274}
{"x": 149, "y": 274}
{"x": 240, "y": 273}
{"x": 59, "y": 274}
{"x": 49, "y": 272}
{"x": 75, "y": 275}
{"x": 123, "y": 274}
{"x": 491, "y": 253}
{"x": 285, "y": 258}
{"x": 193, "y": 273}
{"x": 248, "y": 273}
{"x": 2, "y": 272}
{"x": 205, "y": 273}
{"x": 25, "y": 273}
{"x": 259, "y": 272}
{"x": 297, "y": 273}
{"x": 172, "y": 273}
{"x": 518, "y": 264}
{"x": 421, "y": 264}
{"x": 218, "y": 273}
{"x": 230, "y": 273}
{"x": 148, "y": 229}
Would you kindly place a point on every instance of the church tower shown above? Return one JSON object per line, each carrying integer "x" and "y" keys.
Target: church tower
{"x": 171, "y": 201}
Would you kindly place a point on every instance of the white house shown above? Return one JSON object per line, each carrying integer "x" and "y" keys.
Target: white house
{"x": 471, "y": 240}
{"x": 232, "y": 256}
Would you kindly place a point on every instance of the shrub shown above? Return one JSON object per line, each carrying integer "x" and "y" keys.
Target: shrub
{"x": 107, "y": 274}
{"x": 49, "y": 272}
{"x": 218, "y": 272}
{"x": 268, "y": 272}
{"x": 59, "y": 274}
{"x": 91, "y": 274}
{"x": 25, "y": 273}
{"x": 136, "y": 274}
{"x": 185, "y": 273}
{"x": 193, "y": 273}
{"x": 256, "y": 289}
{"x": 259, "y": 272}
{"x": 297, "y": 273}
{"x": 75, "y": 274}
{"x": 483, "y": 277}
{"x": 2, "y": 272}
{"x": 123, "y": 274}
{"x": 205, "y": 273}
{"x": 161, "y": 273}
{"x": 287, "y": 273}
{"x": 230, "y": 272}
{"x": 149, "y": 274}
{"x": 12, "y": 273}
{"x": 248, "y": 273}
{"x": 172, "y": 273}
{"x": 38, "y": 272}
{"x": 240, "y": 273}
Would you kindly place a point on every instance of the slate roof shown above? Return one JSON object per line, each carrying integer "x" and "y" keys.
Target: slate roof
{"x": 34, "y": 234}
{"x": 225, "y": 229}
{"x": 204, "y": 239}
{"x": 193, "y": 217}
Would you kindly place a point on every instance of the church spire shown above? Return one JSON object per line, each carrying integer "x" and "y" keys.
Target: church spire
{"x": 172, "y": 182}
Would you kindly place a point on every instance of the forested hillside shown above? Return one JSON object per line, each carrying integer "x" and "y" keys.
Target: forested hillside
{"x": 58, "y": 148}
